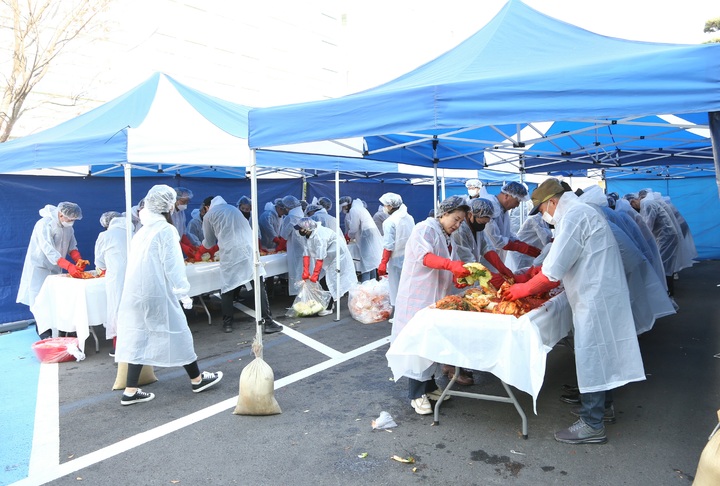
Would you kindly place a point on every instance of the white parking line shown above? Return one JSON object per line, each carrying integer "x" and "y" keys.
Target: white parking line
{"x": 47, "y": 473}
{"x": 46, "y": 438}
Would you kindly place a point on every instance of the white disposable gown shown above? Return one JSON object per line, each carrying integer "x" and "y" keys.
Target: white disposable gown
{"x": 194, "y": 228}
{"x": 534, "y": 231}
{"x": 665, "y": 230}
{"x": 226, "y": 226}
{"x": 294, "y": 248}
{"x": 585, "y": 256}
{"x": 396, "y": 231}
{"x": 327, "y": 220}
{"x": 421, "y": 286}
{"x": 269, "y": 225}
{"x": 363, "y": 230}
{"x": 648, "y": 295}
{"x": 379, "y": 217}
{"x": 179, "y": 221}
{"x": 49, "y": 242}
{"x": 323, "y": 244}
{"x": 622, "y": 206}
{"x": 497, "y": 231}
{"x": 688, "y": 252}
{"x": 111, "y": 256}
{"x": 152, "y": 328}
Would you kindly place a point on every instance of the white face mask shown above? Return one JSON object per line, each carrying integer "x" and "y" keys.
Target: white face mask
{"x": 182, "y": 207}
{"x": 67, "y": 224}
{"x": 548, "y": 218}
{"x": 473, "y": 192}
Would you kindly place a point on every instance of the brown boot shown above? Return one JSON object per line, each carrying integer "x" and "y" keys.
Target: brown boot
{"x": 464, "y": 378}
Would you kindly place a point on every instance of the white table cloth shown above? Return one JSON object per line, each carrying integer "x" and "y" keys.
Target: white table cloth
{"x": 73, "y": 305}
{"x": 513, "y": 349}
{"x": 70, "y": 304}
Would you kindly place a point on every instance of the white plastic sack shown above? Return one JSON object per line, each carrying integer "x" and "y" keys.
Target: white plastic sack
{"x": 370, "y": 301}
{"x": 310, "y": 300}
{"x": 257, "y": 387}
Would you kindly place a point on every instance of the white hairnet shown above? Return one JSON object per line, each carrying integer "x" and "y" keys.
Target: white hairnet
{"x": 345, "y": 201}
{"x": 630, "y": 196}
{"x": 290, "y": 202}
{"x": 279, "y": 203}
{"x": 391, "y": 199}
{"x": 244, "y": 200}
{"x": 474, "y": 183}
{"x": 312, "y": 208}
{"x": 107, "y": 217}
{"x": 183, "y": 192}
{"x": 482, "y": 208}
{"x": 516, "y": 190}
{"x": 306, "y": 224}
{"x": 325, "y": 202}
{"x": 451, "y": 204}
{"x": 70, "y": 210}
{"x": 160, "y": 199}
{"x": 195, "y": 213}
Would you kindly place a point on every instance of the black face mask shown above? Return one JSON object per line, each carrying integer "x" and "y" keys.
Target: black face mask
{"x": 477, "y": 227}
{"x": 247, "y": 215}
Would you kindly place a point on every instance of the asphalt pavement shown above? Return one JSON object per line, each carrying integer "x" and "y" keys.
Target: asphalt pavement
{"x": 333, "y": 381}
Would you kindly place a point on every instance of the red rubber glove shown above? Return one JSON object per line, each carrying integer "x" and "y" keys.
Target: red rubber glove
{"x": 347, "y": 238}
{"x": 185, "y": 240}
{"x": 497, "y": 280}
{"x": 200, "y": 252}
{"x": 188, "y": 250}
{"x": 494, "y": 260}
{"x": 382, "y": 268}
{"x": 440, "y": 263}
{"x": 306, "y": 268}
{"x": 316, "y": 273}
{"x": 536, "y": 285}
{"x": 75, "y": 255}
{"x": 280, "y": 244}
{"x": 522, "y": 247}
{"x": 213, "y": 250}
{"x": 524, "y": 277}
{"x": 74, "y": 271}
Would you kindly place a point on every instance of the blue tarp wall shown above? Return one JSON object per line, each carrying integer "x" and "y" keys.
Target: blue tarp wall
{"x": 21, "y": 197}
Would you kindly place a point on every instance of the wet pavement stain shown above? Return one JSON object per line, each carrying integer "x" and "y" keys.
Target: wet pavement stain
{"x": 511, "y": 466}
{"x": 548, "y": 468}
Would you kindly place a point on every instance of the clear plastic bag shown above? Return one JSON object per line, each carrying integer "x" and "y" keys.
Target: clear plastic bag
{"x": 370, "y": 301}
{"x": 310, "y": 300}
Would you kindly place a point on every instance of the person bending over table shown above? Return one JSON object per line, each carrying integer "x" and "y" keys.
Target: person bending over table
{"x": 428, "y": 275}
{"x": 225, "y": 226}
{"x": 52, "y": 239}
{"x": 585, "y": 256}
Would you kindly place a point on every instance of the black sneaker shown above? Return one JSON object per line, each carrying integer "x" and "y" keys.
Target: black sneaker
{"x": 572, "y": 398}
{"x": 207, "y": 380}
{"x": 228, "y": 328}
{"x": 139, "y": 397}
{"x": 270, "y": 326}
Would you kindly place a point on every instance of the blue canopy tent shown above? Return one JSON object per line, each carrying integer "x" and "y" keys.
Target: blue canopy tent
{"x": 493, "y": 93}
{"x": 530, "y": 93}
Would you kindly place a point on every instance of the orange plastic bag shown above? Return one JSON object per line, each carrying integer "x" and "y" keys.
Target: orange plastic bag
{"x": 58, "y": 350}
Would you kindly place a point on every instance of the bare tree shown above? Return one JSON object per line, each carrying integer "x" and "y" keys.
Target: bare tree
{"x": 41, "y": 30}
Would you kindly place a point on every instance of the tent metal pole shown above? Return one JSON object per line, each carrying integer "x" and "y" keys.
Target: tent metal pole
{"x": 435, "y": 185}
{"x": 127, "y": 174}
{"x": 338, "y": 235}
{"x": 256, "y": 248}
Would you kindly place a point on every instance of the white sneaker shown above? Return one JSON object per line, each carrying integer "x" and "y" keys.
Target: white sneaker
{"x": 436, "y": 394}
{"x": 325, "y": 312}
{"x": 421, "y": 405}
{"x": 390, "y": 320}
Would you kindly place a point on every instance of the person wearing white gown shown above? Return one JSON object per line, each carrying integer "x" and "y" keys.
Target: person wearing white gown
{"x": 152, "y": 327}
{"x": 396, "y": 231}
{"x": 586, "y": 258}
{"x": 111, "y": 259}
{"x": 292, "y": 241}
{"x": 359, "y": 226}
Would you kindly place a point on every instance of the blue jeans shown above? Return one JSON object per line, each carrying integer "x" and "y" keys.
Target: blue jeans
{"x": 592, "y": 407}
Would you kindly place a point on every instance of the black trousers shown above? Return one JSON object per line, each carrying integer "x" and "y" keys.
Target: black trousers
{"x": 133, "y": 373}
{"x": 227, "y": 299}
